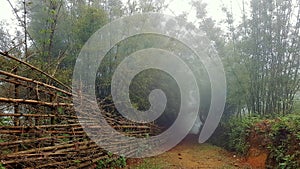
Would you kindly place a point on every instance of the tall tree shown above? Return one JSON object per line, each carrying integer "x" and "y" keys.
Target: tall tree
{"x": 60, "y": 29}
{"x": 270, "y": 49}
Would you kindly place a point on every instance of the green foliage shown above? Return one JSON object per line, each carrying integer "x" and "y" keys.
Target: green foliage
{"x": 77, "y": 161}
{"x": 5, "y": 121}
{"x": 110, "y": 162}
{"x": 285, "y": 142}
{"x": 237, "y": 78}
{"x": 146, "y": 81}
{"x": 282, "y": 133}
{"x": 238, "y": 130}
{"x": 260, "y": 58}
{"x": 60, "y": 110}
{"x": 1, "y": 166}
{"x": 59, "y": 29}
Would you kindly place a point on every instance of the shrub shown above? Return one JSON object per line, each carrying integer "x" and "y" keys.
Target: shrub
{"x": 238, "y": 131}
{"x": 282, "y": 133}
{"x": 285, "y": 138}
{"x": 111, "y": 162}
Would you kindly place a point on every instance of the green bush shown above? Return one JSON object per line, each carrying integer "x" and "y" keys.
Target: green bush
{"x": 285, "y": 138}
{"x": 110, "y": 162}
{"x": 238, "y": 131}
{"x": 1, "y": 166}
{"x": 283, "y": 134}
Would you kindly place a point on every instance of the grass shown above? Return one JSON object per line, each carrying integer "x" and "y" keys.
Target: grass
{"x": 151, "y": 164}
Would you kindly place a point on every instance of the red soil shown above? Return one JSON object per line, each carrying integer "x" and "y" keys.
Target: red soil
{"x": 191, "y": 155}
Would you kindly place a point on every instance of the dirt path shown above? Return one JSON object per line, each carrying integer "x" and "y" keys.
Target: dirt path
{"x": 191, "y": 155}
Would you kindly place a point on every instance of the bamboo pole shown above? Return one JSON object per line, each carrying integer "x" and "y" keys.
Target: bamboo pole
{"x": 10, "y": 100}
{"x": 34, "y": 81}
{"x": 34, "y": 88}
{"x": 36, "y": 115}
{"x": 37, "y": 69}
{"x": 28, "y": 141}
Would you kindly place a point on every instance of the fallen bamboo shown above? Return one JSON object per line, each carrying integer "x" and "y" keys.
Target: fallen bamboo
{"x": 37, "y": 150}
{"x": 28, "y": 141}
{"x": 37, "y": 69}
{"x": 34, "y": 81}
{"x": 90, "y": 162}
{"x": 27, "y": 160}
{"x": 47, "y": 154}
{"x": 63, "y": 143}
{"x": 34, "y": 88}
{"x": 85, "y": 162}
{"x": 43, "y": 127}
{"x": 11, "y": 100}
{"x": 35, "y": 115}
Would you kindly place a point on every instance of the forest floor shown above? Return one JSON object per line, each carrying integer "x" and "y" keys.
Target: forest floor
{"x": 191, "y": 155}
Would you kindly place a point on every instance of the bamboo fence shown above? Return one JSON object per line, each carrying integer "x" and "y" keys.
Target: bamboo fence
{"x": 39, "y": 127}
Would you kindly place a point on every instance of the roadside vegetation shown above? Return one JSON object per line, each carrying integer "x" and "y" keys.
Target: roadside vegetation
{"x": 260, "y": 53}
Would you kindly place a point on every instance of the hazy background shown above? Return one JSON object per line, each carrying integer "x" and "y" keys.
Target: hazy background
{"x": 175, "y": 7}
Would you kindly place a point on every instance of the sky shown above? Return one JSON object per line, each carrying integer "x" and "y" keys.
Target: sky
{"x": 7, "y": 15}
{"x": 213, "y": 8}
{"x": 5, "y": 11}
{"x": 176, "y": 7}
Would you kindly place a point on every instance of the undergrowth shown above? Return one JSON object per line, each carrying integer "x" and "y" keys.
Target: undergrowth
{"x": 112, "y": 162}
{"x": 285, "y": 142}
{"x": 282, "y": 133}
{"x": 239, "y": 129}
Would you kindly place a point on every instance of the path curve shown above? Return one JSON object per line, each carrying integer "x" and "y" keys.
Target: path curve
{"x": 191, "y": 155}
